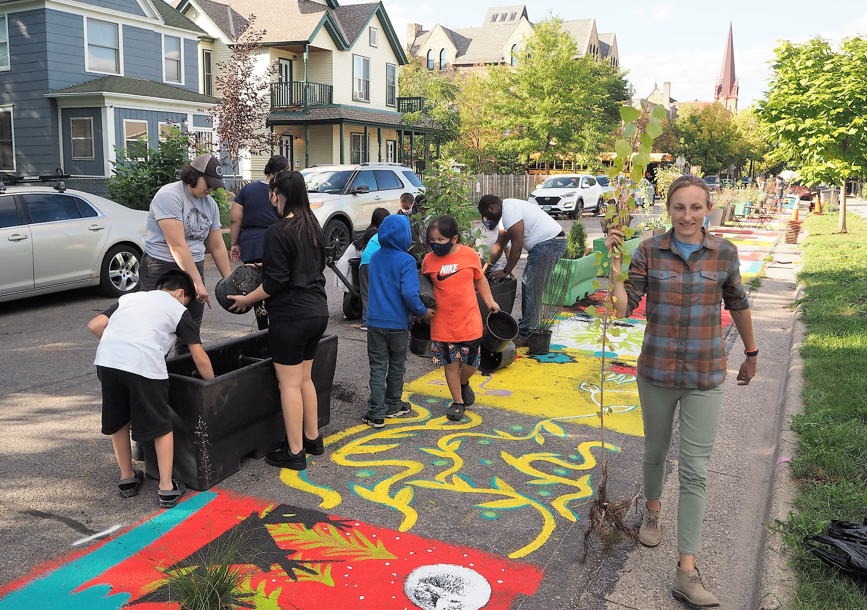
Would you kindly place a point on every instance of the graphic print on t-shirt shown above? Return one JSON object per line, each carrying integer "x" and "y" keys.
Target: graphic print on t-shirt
{"x": 197, "y": 225}
{"x": 446, "y": 271}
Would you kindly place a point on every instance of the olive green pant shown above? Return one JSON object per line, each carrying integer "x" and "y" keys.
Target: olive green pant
{"x": 699, "y": 419}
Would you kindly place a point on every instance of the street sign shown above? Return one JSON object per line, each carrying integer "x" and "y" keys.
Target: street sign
{"x": 680, "y": 162}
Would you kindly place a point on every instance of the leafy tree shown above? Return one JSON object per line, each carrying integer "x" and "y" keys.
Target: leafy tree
{"x": 440, "y": 93}
{"x": 140, "y": 171}
{"x": 478, "y": 137}
{"x": 709, "y": 138}
{"x": 814, "y": 113}
{"x": 244, "y": 100}
{"x": 754, "y": 145}
{"x": 449, "y": 193}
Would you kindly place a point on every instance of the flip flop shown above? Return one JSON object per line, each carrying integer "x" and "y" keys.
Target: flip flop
{"x": 129, "y": 487}
{"x": 456, "y": 412}
{"x": 170, "y": 497}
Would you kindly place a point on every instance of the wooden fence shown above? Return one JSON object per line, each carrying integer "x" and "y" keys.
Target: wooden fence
{"x": 503, "y": 186}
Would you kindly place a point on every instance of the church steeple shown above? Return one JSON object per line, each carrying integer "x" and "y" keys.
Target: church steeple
{"x": 726, "y": 91}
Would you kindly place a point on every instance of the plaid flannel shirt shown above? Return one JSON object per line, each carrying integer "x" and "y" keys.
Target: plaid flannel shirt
{"x": 683, "y": 343}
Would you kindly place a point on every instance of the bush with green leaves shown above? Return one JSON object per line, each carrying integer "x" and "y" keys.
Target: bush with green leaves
{"x": 140, "y": 171}
{"x": 448, "y": 193}
{"x": 576, "y": 245}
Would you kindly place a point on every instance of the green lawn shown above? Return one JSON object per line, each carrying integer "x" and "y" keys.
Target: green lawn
{"x": 831, "y": 467}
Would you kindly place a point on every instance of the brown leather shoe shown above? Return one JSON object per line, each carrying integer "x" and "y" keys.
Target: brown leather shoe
{"x": 688, "y": 587}
{"x": 520, "y": 342}
{"x": 649, "y": 534}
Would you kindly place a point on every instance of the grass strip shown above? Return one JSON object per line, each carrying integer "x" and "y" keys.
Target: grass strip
{"x": 831, "y": 466}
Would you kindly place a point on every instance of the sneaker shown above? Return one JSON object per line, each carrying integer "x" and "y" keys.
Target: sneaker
{"x": 404, "y": 408}
{"x": 363, "y": 327}
{"x": 283, "y": 458}
{"x": 373, "y": 423}
{"x": 688, "y": 587}
{"x": 468, "y": 395}
{"x": 314, "y": 447}
{"x": 169, "y": 498}
{"x": 520, "y": 341}
{"x": 649, "y": 534}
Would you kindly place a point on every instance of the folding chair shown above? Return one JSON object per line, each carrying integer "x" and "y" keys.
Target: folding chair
{"x": 739, "y": 215}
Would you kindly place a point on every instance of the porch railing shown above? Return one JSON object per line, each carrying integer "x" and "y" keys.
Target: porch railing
{"x": 293, "y": 94}
{"x": 411, "y": 104}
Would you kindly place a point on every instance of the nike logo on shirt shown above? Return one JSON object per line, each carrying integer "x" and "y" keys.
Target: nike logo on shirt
{"x": 446, "y": 271}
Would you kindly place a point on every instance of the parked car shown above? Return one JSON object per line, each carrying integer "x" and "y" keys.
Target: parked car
{"x": 52, "y": 239}
{"x": 343, "y": 197}
{"x": 713, "y": 183}
{"x": 569, "y": 194}
{"x": 607, "y": 189}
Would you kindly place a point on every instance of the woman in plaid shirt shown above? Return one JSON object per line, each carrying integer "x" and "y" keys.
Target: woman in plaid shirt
{"x": 685, "y": 274}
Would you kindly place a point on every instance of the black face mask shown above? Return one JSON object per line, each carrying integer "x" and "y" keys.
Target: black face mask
{"x": 441, "y": 249}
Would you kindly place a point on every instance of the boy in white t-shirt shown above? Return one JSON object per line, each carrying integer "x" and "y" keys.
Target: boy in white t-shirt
{"x": 135, "y": 335}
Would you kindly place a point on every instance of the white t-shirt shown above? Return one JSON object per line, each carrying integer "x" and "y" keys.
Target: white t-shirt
{"x": 140, "y": 333}
{"x": 538, "y": 226}
{"x": 486, "y": 243}
{"x": 200, "y": 217}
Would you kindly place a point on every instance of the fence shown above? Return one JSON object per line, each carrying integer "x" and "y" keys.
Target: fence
{"x": 503, "y": 186}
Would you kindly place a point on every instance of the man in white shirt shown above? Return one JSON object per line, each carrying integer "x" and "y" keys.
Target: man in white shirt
{"x": 530, "y": 229}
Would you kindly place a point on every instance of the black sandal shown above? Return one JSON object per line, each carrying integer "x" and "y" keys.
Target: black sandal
{"x": 456, "y": 412}
{"x": 129, "y": 487}
{"x": 170, "y": 497}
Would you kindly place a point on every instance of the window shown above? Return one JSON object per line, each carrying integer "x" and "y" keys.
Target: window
{"x": 430, "y": 60}
{"x": 512, "y": 16}
{"x": 386, "y": 180}
{"x": 203, "y": 142}
{"x": 361, "y": 78}
{"x": 390, "y": 85}
{"x": 165, "y": 131}
{"x": 8, "y": 212}
{"x": 514, "y": 61}
{"x": 364, "y": 178}
{"x": 172, "y": 71}
{"x": 81, "y": 131}
{"x": 374, "y": 37}
{"x": 207, "y": 74}
{"x": 103, "y": 47}
{"x": 503, "y": 17}
{"x": 391, "y": 151}
{"x": 85, "y": 209}
{"x": 4, "y": 43}
{"x": 132, "y": 131}
{"x": 286, "y": 148}
{"x": 494, "y": 18}
{"x": 7, "y": 140}
{"x": 51, "y": 207}
{"x": 358, "y": 151}
{"x": 443, "y": 60}
{"x": 413, "y": 179}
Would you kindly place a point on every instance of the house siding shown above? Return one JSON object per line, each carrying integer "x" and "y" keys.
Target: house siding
{"x": 126, "y": 6}
{"x": 142, "y": 53}
{"x": 153, "y": 119}
{"x": 201, "y": 121}
{"x": 321, "y": 145}
{"x": 379, "y": 56}
{"x": 79, "y": 167}
{"x": 191, "y": 65}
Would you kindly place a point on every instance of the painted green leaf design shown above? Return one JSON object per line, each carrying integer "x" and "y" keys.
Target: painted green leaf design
{"x": 554, "y": 428}
{"x": 330, "y": 542}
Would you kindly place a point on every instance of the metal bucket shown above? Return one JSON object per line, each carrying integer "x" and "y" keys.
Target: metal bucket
{"x": 500, "y": 329}
{"x": 419, "y": 339}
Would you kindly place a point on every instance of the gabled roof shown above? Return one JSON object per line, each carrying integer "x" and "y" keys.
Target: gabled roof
{"x": 606, "y": 43}
{"x": 505, "y": 15}
{"x": 173, "y": 18}
{"x": 481, "y": 45}
{"x": 581, "y": 30}
{"x": 224, "y": 16}
{"x": 138, "y": 87}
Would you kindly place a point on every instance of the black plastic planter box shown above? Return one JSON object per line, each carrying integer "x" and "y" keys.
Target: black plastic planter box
{"x": 236, "y": 414}
{"x": 503, "y": 293}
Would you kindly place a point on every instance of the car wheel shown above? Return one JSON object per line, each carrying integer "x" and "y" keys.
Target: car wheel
{"x": 579, "y": 208}
{"x": 600, "y": 203}
{"x": 352, "y": 306}
{"x": 119, "y": 273}
{"x": 336, "y": 237}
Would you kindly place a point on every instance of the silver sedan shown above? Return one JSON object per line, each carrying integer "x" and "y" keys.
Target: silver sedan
{"x": 53, "y": 240}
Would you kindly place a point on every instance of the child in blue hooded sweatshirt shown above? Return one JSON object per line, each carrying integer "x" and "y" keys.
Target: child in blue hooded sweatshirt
{"x": 392, "y": 299}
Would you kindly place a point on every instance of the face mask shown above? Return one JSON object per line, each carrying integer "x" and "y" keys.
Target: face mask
{"x": 441, "y": 249}
{"x": 490, "y": 225}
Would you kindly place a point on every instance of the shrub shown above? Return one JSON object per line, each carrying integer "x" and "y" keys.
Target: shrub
{"x": 576, "y": 245}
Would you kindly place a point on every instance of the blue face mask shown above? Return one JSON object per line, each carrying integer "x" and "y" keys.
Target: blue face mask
{"x": 441, "y": 249}
{"x": 490, "y": 225}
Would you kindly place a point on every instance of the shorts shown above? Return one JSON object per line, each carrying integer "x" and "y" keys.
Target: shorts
{"x": 468, "y": 352}
{"x": 127, "y": 397}
{"x": 292, "y": 342}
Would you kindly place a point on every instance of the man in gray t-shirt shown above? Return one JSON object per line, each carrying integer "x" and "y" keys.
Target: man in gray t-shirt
{"x": 199, "y": 215}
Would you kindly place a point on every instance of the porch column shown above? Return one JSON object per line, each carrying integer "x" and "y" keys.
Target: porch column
{"x": 399, "y": 151}
{"x": 366, "y": 144}
{"x": 412, "y": 149}
{"x": 306, "y": 146}
{"x": 306, "y": 54}
{"x": 341, "y": 143}
{"x": 379, "y": 143}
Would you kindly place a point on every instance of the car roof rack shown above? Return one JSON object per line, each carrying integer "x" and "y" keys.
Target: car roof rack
{"x": 58, "y": 178}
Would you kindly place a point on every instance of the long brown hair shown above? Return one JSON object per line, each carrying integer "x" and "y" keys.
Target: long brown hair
{"x": 291, "y": 185}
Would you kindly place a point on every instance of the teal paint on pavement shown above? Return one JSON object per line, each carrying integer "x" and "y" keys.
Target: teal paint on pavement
{"x": 58, "y": 585}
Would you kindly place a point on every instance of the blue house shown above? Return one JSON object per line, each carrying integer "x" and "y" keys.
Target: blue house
{"x": 79, "y": 78}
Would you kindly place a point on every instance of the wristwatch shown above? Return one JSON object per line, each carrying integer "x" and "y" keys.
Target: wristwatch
{"x": 752, "y": 354}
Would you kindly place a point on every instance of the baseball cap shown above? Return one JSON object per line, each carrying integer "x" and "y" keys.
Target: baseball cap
{"x": 212, "y": 170}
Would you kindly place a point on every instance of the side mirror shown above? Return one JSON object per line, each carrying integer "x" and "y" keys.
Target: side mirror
{"x": 360, "y": 190}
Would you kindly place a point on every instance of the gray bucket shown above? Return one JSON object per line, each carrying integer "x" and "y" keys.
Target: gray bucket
{"x": 419, "y": 339}
{"x": 500, "y": 329}
{"x": 491, "y": 361}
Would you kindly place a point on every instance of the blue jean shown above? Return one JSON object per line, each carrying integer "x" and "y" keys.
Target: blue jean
{"x": 386, "y": 353}
{"x": 541, "y": 261}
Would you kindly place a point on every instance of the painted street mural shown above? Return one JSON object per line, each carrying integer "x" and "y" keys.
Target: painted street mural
{"x": 290, "y": 557}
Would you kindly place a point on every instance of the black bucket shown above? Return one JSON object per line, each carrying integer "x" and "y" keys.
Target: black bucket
{"x": 500, "y": 329}
{"x": 539, "y": 342}
{"x": 494, "y": 361}
{"x": 419, "y": 339}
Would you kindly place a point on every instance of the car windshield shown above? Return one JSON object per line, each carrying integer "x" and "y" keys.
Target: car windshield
{"x": 602, "y": 180}
{"x": 711, "y": 179}
{"x": 326, "y": 181}
{"x": 561, "y": 182}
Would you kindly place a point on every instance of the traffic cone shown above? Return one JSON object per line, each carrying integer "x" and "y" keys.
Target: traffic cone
{"x": 795, "y": 212}
{"x": 817, "y": 206}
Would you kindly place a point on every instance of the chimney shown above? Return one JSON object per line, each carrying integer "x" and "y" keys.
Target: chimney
{"x": 666, "y": 92}
{"x": 412, "y": 32}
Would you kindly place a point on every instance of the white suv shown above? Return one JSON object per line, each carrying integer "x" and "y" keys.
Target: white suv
{"x": 569, "y": 194}
{"x": 343, "y": 197}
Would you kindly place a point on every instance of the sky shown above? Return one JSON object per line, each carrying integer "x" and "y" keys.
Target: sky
{"x": 677, "y": 41}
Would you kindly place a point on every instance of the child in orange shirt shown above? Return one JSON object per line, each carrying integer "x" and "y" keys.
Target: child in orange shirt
{"x": 456, "y": 330}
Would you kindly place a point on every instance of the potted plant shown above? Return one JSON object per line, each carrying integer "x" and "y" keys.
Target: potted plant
{"x": 553, "y": 294}
{"x": 582, "y": 268}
